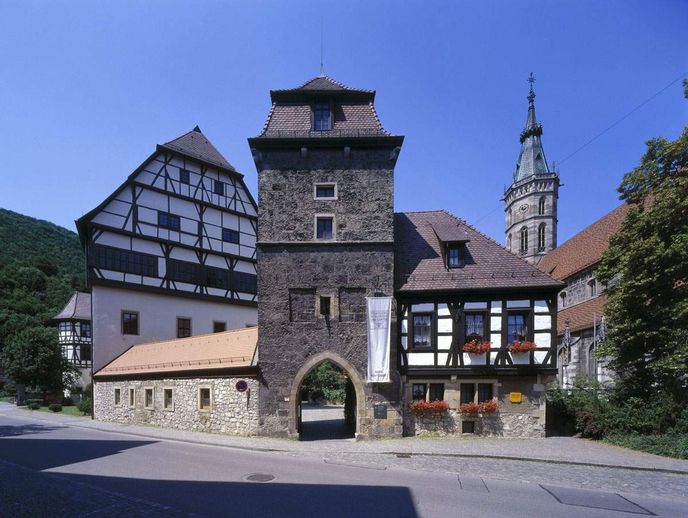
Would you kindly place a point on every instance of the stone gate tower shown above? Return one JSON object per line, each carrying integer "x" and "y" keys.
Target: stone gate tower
{"x": 325, "y": 242}
{"x": 531, "y": 199}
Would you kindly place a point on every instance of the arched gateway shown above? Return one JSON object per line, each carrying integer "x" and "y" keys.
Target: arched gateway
{"x": 314, "y": 361}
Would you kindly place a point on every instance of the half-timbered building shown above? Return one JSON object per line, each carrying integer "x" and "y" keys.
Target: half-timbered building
{"x": 75, "y": 334}
{"x": 172, "y": 251}
{"x": 476, "y": 324}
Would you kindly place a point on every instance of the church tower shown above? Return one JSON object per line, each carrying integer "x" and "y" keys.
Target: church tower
{"x": 531, "y": 199}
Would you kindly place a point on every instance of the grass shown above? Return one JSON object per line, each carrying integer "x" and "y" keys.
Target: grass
{"x": 668, "y": 445}
{"x": 66, "y": 410}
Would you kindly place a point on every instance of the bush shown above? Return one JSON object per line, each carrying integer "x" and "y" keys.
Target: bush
{"x": 67, "y": 401}
{"x": 8, "y": 390}
{"x": 33, "y": 405}
{"x": 55, "y": 407}
{"x": 85, "y": 406}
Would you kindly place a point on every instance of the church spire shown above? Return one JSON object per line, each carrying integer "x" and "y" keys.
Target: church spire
{"x": 531, "y": 160}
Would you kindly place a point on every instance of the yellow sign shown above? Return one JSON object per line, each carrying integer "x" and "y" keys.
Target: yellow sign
{"x": 515, "y": 397}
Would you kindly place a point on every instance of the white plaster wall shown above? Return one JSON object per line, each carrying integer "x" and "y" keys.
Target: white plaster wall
{"x": 157, "y": 319}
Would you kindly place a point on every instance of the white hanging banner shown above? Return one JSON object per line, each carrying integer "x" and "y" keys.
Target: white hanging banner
{"x": 379, "y": 326}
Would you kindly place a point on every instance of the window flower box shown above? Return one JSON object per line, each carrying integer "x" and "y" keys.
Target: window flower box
{"x": 428, "y": 407}
{"x": 476, "y": 347}
{"x": 518, "y": 346}
{"x": 520, "y": 358}
{"x": 486, "y": 407}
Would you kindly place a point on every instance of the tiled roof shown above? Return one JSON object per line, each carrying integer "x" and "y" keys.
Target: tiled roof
{"x": 228, "y": 350}
{"x": 324, "y": 83}
{"x": 194, "y": 144}
{"x": 77, "y": 308}
{"x": 420, "y": 266}
{"x": 581, "y": 316}
{"x": 585, "y": 249}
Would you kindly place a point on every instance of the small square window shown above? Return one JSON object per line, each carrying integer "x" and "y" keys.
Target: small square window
{"x": 184, "y": 176}
{"x": 467, "y": 426}
{"x": 219, "y": 327}
{"x": 419, "y": 390}
{"x": 230, "y": 236}
{"x": 453, "y": 256}
{"x": 130, "y": 323}
{"x": 324, "y": 227}
{"x": 132, "y": 397}
{"x": 436, "y": 391}
{"x": 118, "y": 396}
{"x": 168, "y": 399}
{"x": 204, "y": 398}
{"x": 325, "y": 191}
{"x": 169, "y": 221}
{"x": 219, "y": 187}
{"x": 183, "y": 327}
{"x": 148, "y": 398}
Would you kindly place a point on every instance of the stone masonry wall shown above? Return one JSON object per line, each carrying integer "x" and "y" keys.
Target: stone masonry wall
{"x": 232, "y": 412}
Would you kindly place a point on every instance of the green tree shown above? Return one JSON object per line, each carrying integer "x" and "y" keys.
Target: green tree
{"x": 325, "y": 381}
{"x": 33, "y": 358}
{"x": 646, "y": 269}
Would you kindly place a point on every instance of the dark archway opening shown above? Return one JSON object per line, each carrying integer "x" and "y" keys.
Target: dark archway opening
{"x": 327, "y": 404}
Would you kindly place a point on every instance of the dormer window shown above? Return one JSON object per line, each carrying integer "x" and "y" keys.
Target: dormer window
{"x": 454, "y": 256}
{"x": 322, "y": 117}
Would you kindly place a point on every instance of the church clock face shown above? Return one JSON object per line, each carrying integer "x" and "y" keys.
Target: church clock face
{"x": 523, "y": 208}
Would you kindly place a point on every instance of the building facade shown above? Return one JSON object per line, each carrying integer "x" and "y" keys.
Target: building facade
{"x": 75, "y": 334}
{"x": 325, "y": 243}
{"x": 477, "y": 326}
{"x": 581, "y": 325}
{"x": 530, "y": 202}
{"x": 172, "y": 252}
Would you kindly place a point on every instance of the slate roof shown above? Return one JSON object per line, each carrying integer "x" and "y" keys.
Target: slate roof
{"x": 194, "y": 144}
{"x": 531, "y": 159}
{"x": 227, "y": 350}
{"x": 585, "y": 249}
{"x": 581, "y": 316}
{"x": 420, "y": 266}
{"x": 77, "y": 308}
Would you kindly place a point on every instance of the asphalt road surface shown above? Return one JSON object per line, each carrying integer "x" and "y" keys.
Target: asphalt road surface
{"x": 62, "y": 470}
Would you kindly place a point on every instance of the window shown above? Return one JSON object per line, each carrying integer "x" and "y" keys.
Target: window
{"x": 219, "y": 187}
{"x": 474, "y": 326}
{"x": 541, "y": 238}
{"x": 132, "y": 397}
{"x": 85, "y": 330}
{"x": 184, "y": 176}
{"x": 126, "y": 261}
{"x": 436, "y": 391}
{"x": 244, "y": 282}
{"x": 562, "y": 299}
{"x": 508, "y": 242}
{"x": 467, "y": 426}
{"x": 467, "y": 393}
{"x": 148, "y": 398}
{"x": 324, "y": 228}
{"x": 517, "y": 328}
{"x": 169, "y": 221}
{"x": 508, "y": 217}
{"x": 85, "y": 351}
{"x": 484, "y": 392}
{"x": 453, "y": 256}
{"x": 418, "y": 391}
{"x": 184, "y": 271}
{"x": 219, "y": 327}
{"x": 204, "y": 398}
{"x": 325, "y": 306}
{"x": 422, "y": 330}
{"x": 118, "y": 396}
{"x": 168, "y": 399}
{"x": 541, "y": 206}
{"x": 325, "y": 191}
{"x": 592, "y": 288}
{"x": 322, "y": 117}
{"x": 216, "y": 278}
{"x": 230, "y": 236}
{"x": 524, "y": 240}
{"x": 183, "y": 327}
{"x": 130, "y": 323}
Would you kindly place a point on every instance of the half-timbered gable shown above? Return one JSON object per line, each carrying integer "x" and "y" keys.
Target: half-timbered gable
{"x": 182, "y": 224}
{"x": 75, "y": 334}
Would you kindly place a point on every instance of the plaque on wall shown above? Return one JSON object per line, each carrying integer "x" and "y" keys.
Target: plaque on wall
{"x": 380, "y": 411}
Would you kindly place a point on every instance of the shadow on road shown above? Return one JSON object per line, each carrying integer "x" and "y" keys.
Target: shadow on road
{"x": 25, "y": 429}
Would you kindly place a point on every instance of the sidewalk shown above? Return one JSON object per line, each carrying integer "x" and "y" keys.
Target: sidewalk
{"x": 561, "y": 450}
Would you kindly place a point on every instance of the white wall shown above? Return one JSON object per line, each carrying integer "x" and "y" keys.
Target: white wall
{"x": 157, "y": 318}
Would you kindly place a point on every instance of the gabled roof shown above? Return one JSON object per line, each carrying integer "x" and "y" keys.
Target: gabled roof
{"x": 228, "y": 350}
{"x": 585, "y": 249}
{"x": 323, "y": 85}
{"x": 77, "y": 308}
{"x": 420, "y": 265}
{"x": 194, "y": 144}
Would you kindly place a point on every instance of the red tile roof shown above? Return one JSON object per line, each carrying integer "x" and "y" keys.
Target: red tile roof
{"x": 420, "y": 265}
{"x": 581, "y": 316}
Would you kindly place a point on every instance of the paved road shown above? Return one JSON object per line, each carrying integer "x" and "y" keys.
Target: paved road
{"x": 59, "y": 469}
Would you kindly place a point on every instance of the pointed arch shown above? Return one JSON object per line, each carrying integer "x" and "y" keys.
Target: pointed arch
{"x": 524, "y": 240}
{"x": 314, "y": 361}
{"x": 508, "y": 242}
{"x": 541, "y": 206}
{"x": 542, "y": 237}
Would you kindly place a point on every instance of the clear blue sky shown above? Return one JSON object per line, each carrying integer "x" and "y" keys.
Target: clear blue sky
{"x": 88, "y": 89}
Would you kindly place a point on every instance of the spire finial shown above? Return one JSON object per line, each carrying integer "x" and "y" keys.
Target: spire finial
{"x": 531, "y": 94}
{"x": 322, "y": 37}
